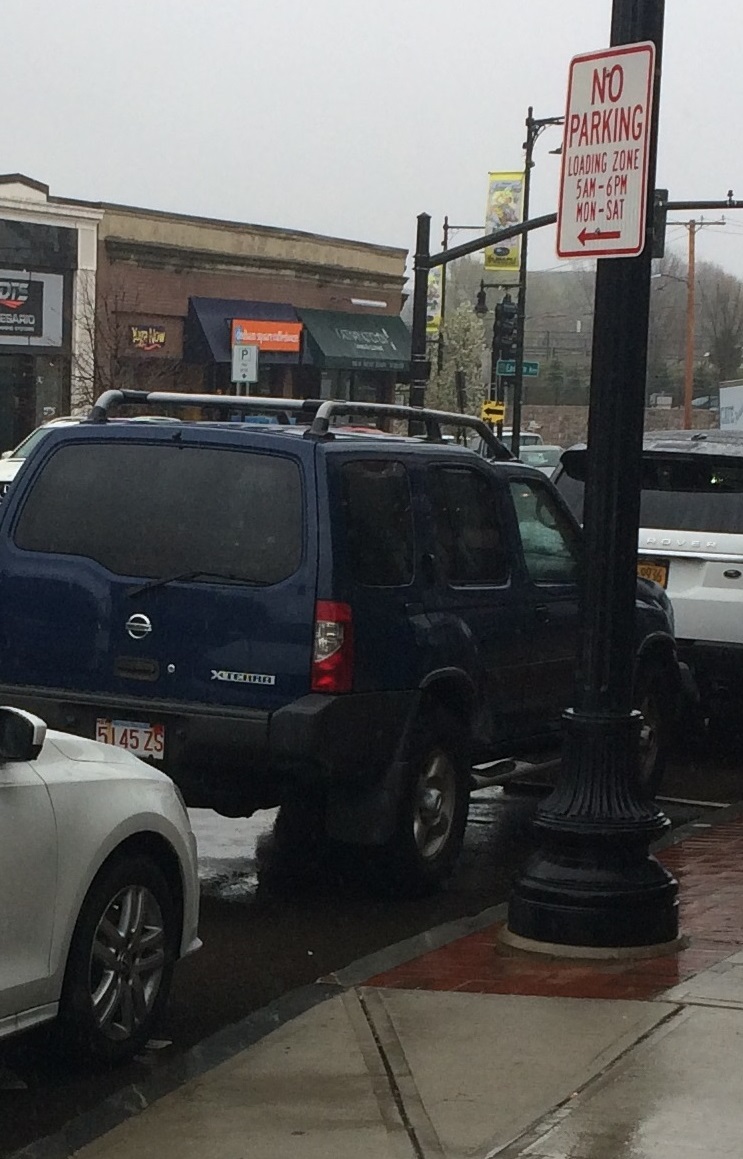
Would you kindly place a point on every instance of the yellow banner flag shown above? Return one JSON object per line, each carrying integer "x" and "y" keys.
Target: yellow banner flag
{"x": 433, "y": 306}
{"x": 504, "y": 208}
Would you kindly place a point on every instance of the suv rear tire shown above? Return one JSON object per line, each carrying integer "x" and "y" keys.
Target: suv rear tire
{"x": 432, "y": 814}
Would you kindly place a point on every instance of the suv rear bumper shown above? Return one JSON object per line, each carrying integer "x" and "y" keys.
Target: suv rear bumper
{"x": 241, "y": 760}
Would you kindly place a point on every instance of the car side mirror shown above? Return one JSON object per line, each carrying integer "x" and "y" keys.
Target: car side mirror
{"x": 7, "y": 454}
{"x": 22, "y": 735}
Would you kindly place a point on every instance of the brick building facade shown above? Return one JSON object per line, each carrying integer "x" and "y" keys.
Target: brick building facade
{"x": 153, "y": 300}
{"x": 183, "y": 281}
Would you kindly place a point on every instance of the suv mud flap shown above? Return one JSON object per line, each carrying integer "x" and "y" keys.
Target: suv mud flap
{"x": 366, "y": 814}
{"x": 353, "y": 737}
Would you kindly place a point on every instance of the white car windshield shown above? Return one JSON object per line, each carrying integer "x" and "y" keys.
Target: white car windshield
{"x": 540, "y": 456}
{"x": 25, "y": 448}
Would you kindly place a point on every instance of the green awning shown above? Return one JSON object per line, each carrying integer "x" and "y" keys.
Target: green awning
{"x": 340, "y": 341}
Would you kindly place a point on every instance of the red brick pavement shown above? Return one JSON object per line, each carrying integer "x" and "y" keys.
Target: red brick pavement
{"x": 709, "y": 869}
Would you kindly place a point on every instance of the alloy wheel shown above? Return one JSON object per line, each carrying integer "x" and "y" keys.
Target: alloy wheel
{"x": 127, "y": 962}
{"x": 434, "y": 805}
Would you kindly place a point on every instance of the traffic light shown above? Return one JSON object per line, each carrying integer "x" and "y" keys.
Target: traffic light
{"x": 505, "y": 327}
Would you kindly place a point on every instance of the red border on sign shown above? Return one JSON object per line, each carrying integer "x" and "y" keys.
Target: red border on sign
{"x": 603, "y": 54}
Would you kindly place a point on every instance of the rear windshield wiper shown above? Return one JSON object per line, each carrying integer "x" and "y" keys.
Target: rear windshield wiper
{"x": 192, "y": 575}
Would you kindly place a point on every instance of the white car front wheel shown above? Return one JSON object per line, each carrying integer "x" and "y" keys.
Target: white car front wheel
{"x": 120, "y": 963}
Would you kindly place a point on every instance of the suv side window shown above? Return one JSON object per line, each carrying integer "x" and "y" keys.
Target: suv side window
{"x": 550, "y": 542}
{"x": 377, "y": 507}
{"x": 468, "y": 541}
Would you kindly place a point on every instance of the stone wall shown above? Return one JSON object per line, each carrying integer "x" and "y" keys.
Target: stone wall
{"x": 565, "y": 425}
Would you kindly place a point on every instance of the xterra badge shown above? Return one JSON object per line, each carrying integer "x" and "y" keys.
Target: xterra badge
{"x": 242, "y": 677}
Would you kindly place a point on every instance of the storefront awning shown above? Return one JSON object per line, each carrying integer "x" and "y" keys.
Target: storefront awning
{"x": 341, "y": 341}
{"x": 207, "y": 336}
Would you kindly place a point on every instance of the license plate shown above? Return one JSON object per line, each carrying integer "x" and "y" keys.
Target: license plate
{"x": 144, "y": 740}
{"x": 654, "y": 569}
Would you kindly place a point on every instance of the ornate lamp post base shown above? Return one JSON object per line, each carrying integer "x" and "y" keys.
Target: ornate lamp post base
{"x": 593, "y": 881}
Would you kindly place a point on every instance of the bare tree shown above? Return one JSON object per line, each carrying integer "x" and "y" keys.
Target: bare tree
{"x": 106, "y": 352}
{"x": 721, "y": 297}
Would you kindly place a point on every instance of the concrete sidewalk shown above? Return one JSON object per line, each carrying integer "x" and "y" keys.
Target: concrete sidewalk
{"x": 468, "y": 1049}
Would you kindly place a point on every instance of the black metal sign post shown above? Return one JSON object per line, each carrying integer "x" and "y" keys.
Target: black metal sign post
{"x": 422, "y": 265}
{"x": 593, "y": 881}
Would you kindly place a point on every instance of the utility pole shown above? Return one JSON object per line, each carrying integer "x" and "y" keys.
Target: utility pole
{"x": 442, "y": 312}
{"x": 692, "y": 227}
{"x": 533, "y": 130}
{"x": 690, "y": 311}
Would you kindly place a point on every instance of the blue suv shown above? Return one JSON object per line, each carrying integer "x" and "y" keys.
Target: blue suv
{"x": 336, "y": 621}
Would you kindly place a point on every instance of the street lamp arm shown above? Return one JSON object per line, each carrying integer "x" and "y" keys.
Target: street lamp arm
{"x": 481, "y": 243}
{"x": 534, "y": 130}
{"x": 683, "y": 206}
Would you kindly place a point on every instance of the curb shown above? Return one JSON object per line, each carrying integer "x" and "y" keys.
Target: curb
{"x": 240, "y": 1036}
{"x": 398, "y": 953}
{"x": 205, "y": 1056}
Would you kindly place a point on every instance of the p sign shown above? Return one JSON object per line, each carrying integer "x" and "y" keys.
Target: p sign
{"x": 606, "y": 139}
{"x": 244, "y": 363}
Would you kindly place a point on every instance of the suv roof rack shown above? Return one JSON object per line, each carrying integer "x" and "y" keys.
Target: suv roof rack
{"x": 317, "y": 411}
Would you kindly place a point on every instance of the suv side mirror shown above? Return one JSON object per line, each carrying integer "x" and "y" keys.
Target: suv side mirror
{"x": 7, "y": 454}
{"x": 21, "y": 735}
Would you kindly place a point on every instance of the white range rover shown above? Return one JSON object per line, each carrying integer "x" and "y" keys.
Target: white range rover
{"x": 691, "y": 543}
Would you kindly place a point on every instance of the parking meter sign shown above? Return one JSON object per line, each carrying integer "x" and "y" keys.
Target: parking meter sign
{"x": 606, "y": 143}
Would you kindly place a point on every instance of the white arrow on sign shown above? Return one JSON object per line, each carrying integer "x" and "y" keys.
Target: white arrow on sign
{"x": 606, "y": 140}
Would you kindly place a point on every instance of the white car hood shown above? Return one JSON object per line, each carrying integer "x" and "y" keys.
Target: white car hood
{"x": 108, "y": 757}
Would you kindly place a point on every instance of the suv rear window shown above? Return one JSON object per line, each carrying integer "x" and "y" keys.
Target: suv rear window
{"x": 379, "y": 522}
{"x": 680, "y": 494}
{"x": 154, "y": 510}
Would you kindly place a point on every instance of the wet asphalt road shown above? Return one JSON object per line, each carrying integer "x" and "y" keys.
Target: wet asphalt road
{"x": 269, "y": 928}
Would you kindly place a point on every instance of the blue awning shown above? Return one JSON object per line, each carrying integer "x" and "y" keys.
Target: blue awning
{"x": 207, "y": 334}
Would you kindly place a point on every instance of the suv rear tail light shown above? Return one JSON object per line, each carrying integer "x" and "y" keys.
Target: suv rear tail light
{"x": 332, "y": 658}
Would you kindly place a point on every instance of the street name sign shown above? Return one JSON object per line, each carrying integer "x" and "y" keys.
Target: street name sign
{"x": 244, "y": 363}
{"x": 493, "y": 412}
{"x": 507, "y": 366}
{"x": 604, "y": 178}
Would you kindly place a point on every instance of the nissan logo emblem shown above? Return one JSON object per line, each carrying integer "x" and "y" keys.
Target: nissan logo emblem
{"x": 138, "y": 626}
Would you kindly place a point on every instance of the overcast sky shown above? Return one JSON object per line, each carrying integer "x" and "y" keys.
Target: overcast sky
{"x": 345, "y": 117}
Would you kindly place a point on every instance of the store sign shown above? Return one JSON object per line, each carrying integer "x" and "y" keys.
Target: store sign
{"x": 267, "y": 335}
{"x": 21, "y": 307}
{"x": 367, "y": 343}
{"x": 148, "y": 338}
{"x": 31, "y": 309}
